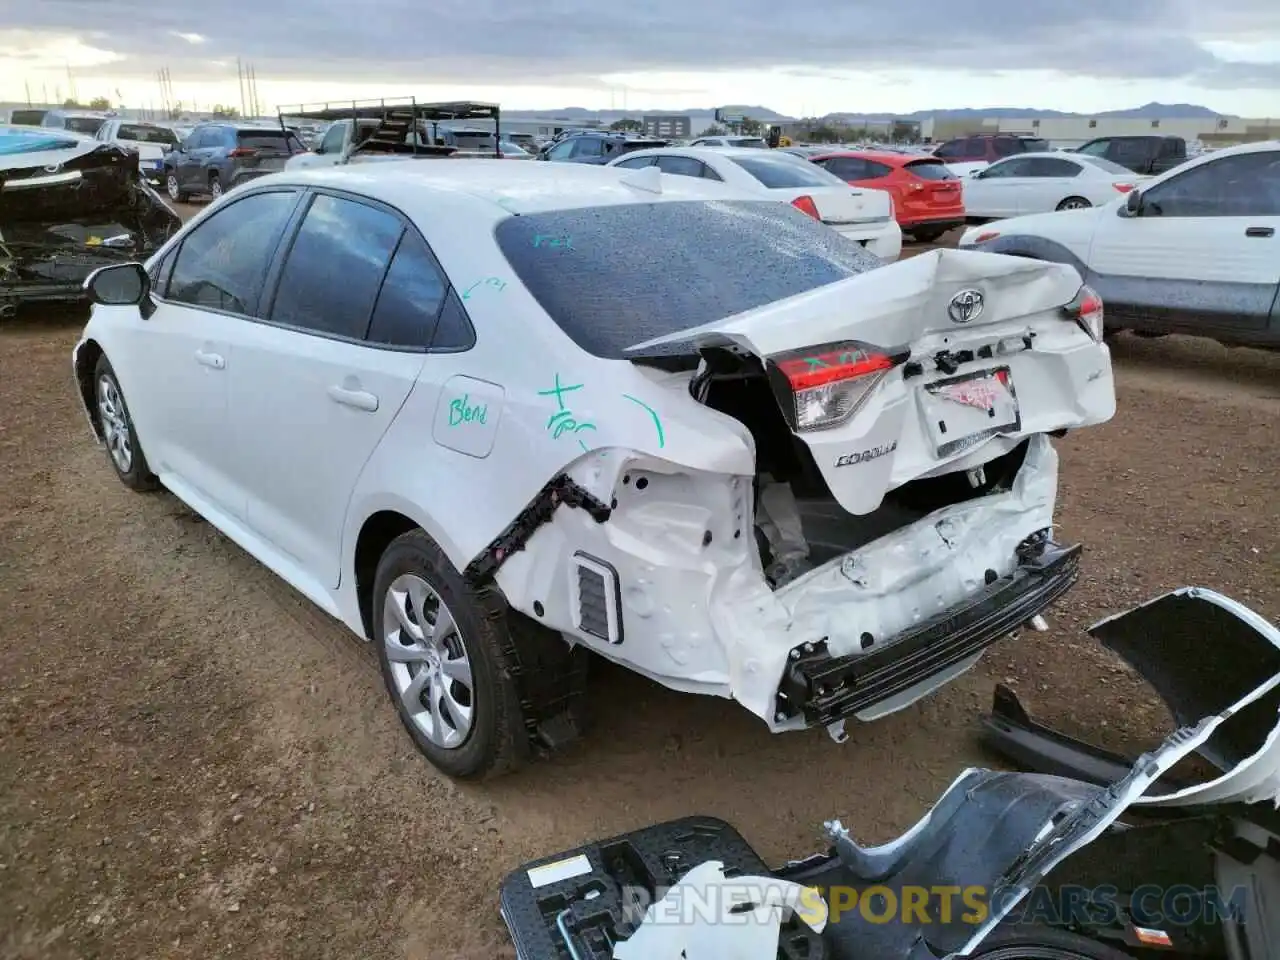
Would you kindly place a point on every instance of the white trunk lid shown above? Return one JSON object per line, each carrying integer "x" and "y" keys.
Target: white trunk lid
{"x": 841, "y": 206}
{"x": 960, "y": 392}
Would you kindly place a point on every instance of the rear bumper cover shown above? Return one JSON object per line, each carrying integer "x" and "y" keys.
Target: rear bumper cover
{"x": 825, "y": 689}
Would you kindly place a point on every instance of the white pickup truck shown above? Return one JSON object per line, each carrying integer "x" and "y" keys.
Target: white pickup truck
{"x": 150, "y": 141}
{"x": 351, "y": 141}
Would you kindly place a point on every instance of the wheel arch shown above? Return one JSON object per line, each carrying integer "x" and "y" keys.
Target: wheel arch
{"x": 1034, "y": 248}
{"x": 381, "y": 525}
{"x": 86, "y": 362}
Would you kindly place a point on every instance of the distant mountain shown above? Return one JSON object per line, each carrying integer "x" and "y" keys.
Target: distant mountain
{"x": 1150, "y": 111}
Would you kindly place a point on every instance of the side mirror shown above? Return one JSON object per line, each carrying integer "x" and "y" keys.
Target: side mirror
{"x": 120, "y": 285}
{"x": 1133, "y": 203}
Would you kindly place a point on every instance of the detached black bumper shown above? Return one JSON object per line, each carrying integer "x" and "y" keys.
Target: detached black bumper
{"x": 824, "y": 689}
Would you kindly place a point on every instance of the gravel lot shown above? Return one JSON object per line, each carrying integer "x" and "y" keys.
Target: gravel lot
{"x": 196, "y": 763}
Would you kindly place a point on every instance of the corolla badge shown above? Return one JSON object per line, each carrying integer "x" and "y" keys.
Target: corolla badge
{"x": 966, "y": 305}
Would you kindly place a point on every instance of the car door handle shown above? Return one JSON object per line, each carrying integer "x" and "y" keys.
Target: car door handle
{"x": 360, "y": 399}
{"x": 1260, "y": 232}
{"x": 213, "y": 360}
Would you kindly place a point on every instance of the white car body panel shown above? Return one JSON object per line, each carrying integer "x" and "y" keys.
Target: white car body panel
{"x": 861, "y": 214}
{"x": 709, "y": 620}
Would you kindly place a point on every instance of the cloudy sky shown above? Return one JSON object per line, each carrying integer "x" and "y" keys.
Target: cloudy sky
{"x": 804, "y": 57}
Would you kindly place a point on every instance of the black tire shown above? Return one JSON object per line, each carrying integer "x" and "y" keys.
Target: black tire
{"x": 136, "y": 474}
{"x": 1074, "y": 203}
{"x": 1044, "y": 943}
{"x": 926, "y": 236}
{"x": 215, "y": 186}
{"x": 176, "y": 193}
{"x": 496, "y": 742}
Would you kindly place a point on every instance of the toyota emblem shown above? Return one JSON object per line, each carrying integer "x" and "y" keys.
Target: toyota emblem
{"x": 966, "y": 305}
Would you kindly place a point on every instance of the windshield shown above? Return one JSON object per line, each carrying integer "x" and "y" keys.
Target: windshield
{"x": 269, "y": 141}
{"x": 783, "y": 173}
{"x": 1102, "y": 163}
{"x": 620, "y": 275}
{"x": 139, "y": 134}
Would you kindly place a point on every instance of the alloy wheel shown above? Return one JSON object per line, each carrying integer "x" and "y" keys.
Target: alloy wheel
{"x": 115, "y": 423}
{"x": 215, "y": 188}
{"x": 171, "y": 184}
{"x": 429, "y": 664}
{"x": 1074, "y": 203}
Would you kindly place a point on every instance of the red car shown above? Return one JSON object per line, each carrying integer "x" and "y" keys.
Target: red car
{"x": 927, "y": 199}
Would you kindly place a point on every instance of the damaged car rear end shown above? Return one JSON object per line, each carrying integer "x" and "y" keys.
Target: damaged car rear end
{"x": 893, "y": 515}
{"x": 69, "y": 205}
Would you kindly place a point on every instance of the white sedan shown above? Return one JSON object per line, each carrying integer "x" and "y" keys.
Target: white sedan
{"x": 1041, "y": 182}
{"x": 492, "y": 416}
{"x": 861, "y": 214}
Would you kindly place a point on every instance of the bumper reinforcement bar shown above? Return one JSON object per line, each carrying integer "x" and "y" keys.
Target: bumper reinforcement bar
{"x": 827, "y": 689}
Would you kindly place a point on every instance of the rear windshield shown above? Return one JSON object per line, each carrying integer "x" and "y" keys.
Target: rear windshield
{"x": 629, "y": 145}
{"x": 88, "y": 125}
{"x": 133, "y": 132}
{"x": 615, "y": 276}
{"x": 27, "y": 118}
{"x": 1104, "y": 164}
{"x": 930, "y": 170}
{"x": 269, "y": 141}
{"x": 783, "y": 172}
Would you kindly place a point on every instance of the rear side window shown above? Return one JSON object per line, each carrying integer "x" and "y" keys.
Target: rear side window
{"x": 335, "y": 267}
{"x": 777, "y": 173}
{"x": 643, "y": 270}
{"x": 223, "y": 262}
{"x": 846, "y": 168}
{"x": 1008, "y": 146}
{"x": 1051, "y": 167}
{"x": 1131, "y": 151}
{"x": 681, "y": 166}
{"x": 635, "y": 163}
{"x": 929, "y": 170}
{"x": 410, "y": 299}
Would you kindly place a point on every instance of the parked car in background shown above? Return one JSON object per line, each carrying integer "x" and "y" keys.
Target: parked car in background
{"x": 1040, "y": 182}
{"x": 352, "y": 141}
{"x": 755, "y": 143}
{"x": 220, "y": 156}
{"x": 966, "y": 154}
{"x": 84, "y": 122}
{"x": 1149, "y": 155}
{"x": 385, "y": 382}
{"x": 864, "y": 216}
{"x": 24, "y": 117}
{"x": 595, "y": 147}
{"x": 513, "y": 151}
{"x": 149, "y": 141}
{"x": 805, "y": 152}
{"x": 927, "y": 200}
{"x": 1196, "y": 250}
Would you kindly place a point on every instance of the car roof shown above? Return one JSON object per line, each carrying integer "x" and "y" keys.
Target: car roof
{"x": 414, "y": 186}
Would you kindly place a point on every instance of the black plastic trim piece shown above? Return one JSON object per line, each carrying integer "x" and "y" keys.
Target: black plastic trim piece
{"x": 559, "y": 489}
{"x": 825, "y": 689}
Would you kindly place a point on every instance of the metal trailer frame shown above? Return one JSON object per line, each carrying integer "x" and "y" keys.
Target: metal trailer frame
{"x": 433, "y": 113}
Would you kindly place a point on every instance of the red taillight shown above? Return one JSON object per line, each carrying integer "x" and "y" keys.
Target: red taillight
{"x": 1087, "y": 311}
{"x": 826, "y": 385}
{"x": 243, "y": 152}
{"x": 1123, "y": 187}
{"x": 806, "y": 205}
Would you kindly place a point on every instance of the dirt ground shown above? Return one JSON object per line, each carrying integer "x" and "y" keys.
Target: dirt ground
{"x": 196, "y": 763}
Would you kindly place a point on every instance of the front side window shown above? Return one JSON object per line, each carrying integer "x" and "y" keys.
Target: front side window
{"x": 1098, "y": 148}
{"x": 561, "y": 151}
{"x": 588, "y": 147}
{"x": 335, "y": 266}
{"x": 1244, "y": 185}
{"x": 333, "y": 139}
{"x": 222, "y": 263}
{"x": 849, "y": 169}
